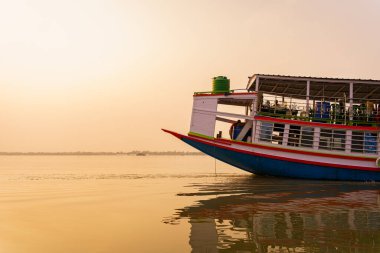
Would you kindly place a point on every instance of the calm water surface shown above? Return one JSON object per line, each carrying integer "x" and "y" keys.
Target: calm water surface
{"x": 176, "y": 204}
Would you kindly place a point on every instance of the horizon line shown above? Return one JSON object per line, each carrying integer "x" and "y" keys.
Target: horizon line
{"x": 135, "y": 152}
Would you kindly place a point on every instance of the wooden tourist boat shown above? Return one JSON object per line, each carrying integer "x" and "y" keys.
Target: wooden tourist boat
{"x": 298, "y": 127}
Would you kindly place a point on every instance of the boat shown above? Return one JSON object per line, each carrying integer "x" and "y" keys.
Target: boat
{"x": 291, "y": 126}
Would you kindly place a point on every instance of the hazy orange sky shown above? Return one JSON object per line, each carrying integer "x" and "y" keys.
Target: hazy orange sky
{"x": 107, "y": 75}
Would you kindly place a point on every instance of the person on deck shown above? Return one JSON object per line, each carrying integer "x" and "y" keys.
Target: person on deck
{"x": 234, "y": 126}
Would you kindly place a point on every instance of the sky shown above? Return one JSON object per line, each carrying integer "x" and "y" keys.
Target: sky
{"x": 107, "y": 75}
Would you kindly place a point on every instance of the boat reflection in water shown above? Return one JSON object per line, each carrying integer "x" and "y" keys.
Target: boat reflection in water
{"x": 258, "y": 214}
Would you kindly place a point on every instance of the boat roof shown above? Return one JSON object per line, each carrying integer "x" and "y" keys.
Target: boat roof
{"x": 319, "y": 86}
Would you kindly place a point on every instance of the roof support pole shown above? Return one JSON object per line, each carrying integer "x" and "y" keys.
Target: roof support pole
{"x": 256, "y": 103}
{"x": 257, "y": 84}
{"x": 351, "y": 97}
{"x": 307, "y": 97}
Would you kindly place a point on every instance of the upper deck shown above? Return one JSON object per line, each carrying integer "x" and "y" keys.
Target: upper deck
{"x": 350, "y": 102}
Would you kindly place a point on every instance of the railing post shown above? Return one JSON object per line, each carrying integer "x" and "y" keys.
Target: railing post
{"x": 316, "y": 137}
{"x": 285, "y": 138}
{"x": 253, "y": 132}
{"x": 256, "y": 137}
{"x": 348, "y": 141}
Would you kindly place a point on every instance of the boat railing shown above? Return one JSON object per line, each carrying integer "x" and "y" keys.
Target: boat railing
{"x": 317, "y": 138}
{"x": 228, "y": 92}
{"x": 333, "y": 110}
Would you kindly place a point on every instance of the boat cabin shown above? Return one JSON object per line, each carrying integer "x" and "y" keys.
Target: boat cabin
{"x": 324, "y": 114}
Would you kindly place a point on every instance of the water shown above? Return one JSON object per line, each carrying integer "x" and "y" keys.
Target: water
{"x": 176, "y": 204}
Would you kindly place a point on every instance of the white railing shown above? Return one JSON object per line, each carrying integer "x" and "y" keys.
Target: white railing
{"x": 324, "y": 139}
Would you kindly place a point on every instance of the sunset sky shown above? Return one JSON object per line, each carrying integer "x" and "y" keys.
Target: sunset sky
{"x": 107, "y": 75}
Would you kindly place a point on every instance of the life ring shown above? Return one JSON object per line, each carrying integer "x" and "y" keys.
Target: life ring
{"x": 378, "y": 162}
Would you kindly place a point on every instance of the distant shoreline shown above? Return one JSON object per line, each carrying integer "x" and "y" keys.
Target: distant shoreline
{"x": 132, "y": 153}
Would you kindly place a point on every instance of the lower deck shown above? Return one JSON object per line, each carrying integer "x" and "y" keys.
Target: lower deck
{"x": 317, "y": 136}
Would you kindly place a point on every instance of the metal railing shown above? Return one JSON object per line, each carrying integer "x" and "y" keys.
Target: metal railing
{"x": 334, "y": 110}
{"x": 326, "y": 139}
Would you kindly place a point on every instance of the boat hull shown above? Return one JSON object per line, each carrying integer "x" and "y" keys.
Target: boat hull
{"x": 274, "y": 167}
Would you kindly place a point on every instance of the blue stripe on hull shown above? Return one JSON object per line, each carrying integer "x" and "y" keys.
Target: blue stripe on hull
{"x": 267, "y": 166}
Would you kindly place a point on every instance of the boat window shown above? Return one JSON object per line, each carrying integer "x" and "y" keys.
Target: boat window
{"x": 364, "y": 142}
{"x": 338, "y": 140}
{"x": 332, "y": 139}
{"x": 294, "y": 136}
{"x": 266, "y": 131}
{"x": 278, "y": 133}
{"x": 325, "y": 139}
{"x": 307, "y": 136}
{"x": 357, "y": 142}
{"x": 370, "y": 143}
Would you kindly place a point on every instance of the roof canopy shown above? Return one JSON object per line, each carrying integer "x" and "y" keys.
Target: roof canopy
{"x": 296, "y": 86}
{"x": 234, "y": 101}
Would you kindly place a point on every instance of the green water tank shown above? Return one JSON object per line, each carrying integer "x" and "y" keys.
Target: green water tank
{"x": 220, "y": 84}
